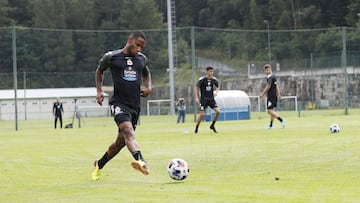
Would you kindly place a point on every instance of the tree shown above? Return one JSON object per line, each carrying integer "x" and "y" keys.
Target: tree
{"x": 143, "y": 14}
{"x": 187, "y": 12}
{"x": 56, "y": 47}
{"x": 106, "y": 13}
{"x": 87, "y": 46}
{"x": 80, "y": 14}
{"x": 5, "y": 37}
{"x": 20, "y": 12}
{"x": 257, "y": 15}
{"x": 4, "y": 13}
{"x": 353, "y": 18}
{"x": 333, "y": 12}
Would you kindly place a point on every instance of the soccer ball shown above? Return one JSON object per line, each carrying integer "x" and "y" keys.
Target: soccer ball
{"x": 178, "y": 169}
{"x": 334, "y": 128}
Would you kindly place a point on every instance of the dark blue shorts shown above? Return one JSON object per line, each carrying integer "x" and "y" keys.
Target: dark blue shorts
{"x": 123, "y": 113}
{"x": 204, "y": 103}
{"x": 271, "y": 103}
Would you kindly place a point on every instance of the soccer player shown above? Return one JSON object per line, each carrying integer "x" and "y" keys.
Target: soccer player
{"x": 272, "y": 91}
{"x": 132, "y": 79}
{"x": 208, "y": 87}
{"x": 57, "y": 112}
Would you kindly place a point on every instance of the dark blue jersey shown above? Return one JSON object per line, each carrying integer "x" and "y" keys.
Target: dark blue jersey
{"x": 271, "y": 80}
{"x": 207, "y": 87}
{"x": 127, "y": 72}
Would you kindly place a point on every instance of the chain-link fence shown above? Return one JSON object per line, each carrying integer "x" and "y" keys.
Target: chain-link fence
{"x": 320, "y": 67}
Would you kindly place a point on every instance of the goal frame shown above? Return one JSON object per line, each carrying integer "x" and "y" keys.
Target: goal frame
{"x": 158, "y": 101}
{"x": 292, "y": 97}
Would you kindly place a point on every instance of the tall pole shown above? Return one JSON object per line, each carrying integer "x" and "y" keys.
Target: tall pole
{"x": 268, "y": 36}
{"x": 171, "y": 60}
{"x": 193, "y": 66}
{"x": 15, "y": 74}
{"x": 25, "y": 102}
{"x": 312, "y": 79}
{"x": 344, "y": 64}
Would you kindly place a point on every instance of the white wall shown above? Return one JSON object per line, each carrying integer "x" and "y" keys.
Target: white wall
{"x": 42, "y": 108}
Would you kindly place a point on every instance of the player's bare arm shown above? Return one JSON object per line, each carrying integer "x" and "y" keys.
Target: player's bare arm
{"x": 146, "y": 90}
{"x": 278, "y": 92}
{"x": 267, "y": 88}
{"x": 217, "y": 91}
{"x": 99, "y": 81}
{"x": 196, "y": 92}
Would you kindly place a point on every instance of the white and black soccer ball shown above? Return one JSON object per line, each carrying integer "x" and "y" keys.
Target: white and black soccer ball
{"x": 178, "y": 169}
{"x": 334, "y": 128}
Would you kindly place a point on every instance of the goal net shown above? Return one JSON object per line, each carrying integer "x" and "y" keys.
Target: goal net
{"x": 158, "y": 107}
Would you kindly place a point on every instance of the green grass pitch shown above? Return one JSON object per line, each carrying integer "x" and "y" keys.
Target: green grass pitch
{"x": 242, "y": 163}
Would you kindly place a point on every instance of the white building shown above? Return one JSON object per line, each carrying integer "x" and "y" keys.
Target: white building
{"x": 38, "y": 103}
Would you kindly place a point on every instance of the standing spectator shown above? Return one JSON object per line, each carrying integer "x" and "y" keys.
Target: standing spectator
{"x": 57, "y": 112}
{"x": 181, "y": 108}
{"x": 208, "y": 88}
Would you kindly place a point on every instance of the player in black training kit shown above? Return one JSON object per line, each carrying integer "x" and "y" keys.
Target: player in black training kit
{"x": 272, "y": 91}
{"x": 206, "y": 86}
{"x": 129, "y": 72}
{"x": 57, "y": 112}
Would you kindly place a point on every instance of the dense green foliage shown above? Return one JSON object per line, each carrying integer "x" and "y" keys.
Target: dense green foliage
{"x": 141, "y": 14}
{"x": 71, "y": 35}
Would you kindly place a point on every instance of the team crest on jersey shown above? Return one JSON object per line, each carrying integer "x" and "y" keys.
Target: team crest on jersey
{"x": 129, "y": 62}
